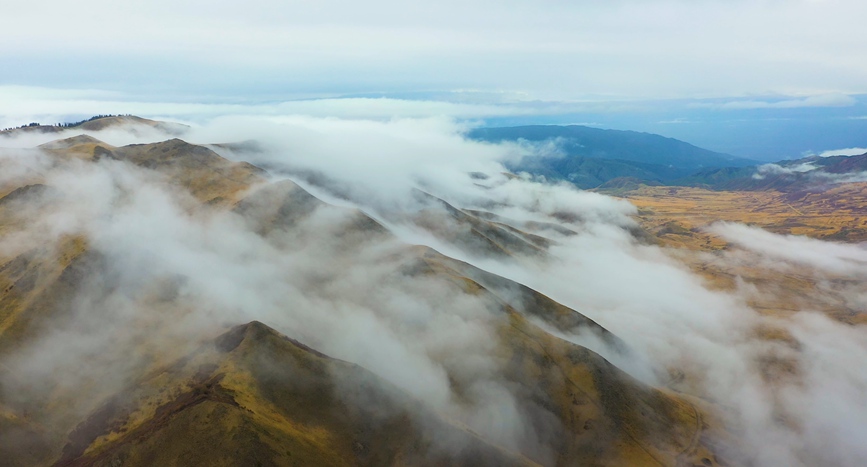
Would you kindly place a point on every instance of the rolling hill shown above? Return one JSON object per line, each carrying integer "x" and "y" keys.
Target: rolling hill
{"x": 97, "y": 123}
{"x": 171, "y": 303}
{"x": 167, "y": 382}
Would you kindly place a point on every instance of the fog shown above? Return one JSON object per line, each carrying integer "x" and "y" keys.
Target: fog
{"x": 843, "y": 152}
{"x": 346, "y": 299}
{"x": 827, "y": 256}
{"x": 811, "y": 172}
{"x": 775, "y": 169}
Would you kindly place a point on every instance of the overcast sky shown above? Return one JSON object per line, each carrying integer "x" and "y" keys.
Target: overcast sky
{"x": 700, "y": 70}
{"x": 540, "y": 49}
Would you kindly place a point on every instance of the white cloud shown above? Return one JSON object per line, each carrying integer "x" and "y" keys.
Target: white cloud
{"x": 822, "y": 100}
{"x": 843, "y": 152}
{"x": 46, "y": 105}
{"x": 416, "y": 333}
{"x": 764, "y": 170}
{"x": 833, "y": 257}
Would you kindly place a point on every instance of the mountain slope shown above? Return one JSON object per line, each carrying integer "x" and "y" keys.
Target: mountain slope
{"x": 255, "y": 397}
{"x": 175, "y": 385}
{"x": 614, "y": 144}
{"x": 129, "y": 123}
{"x": 588, "y": 172}
{"x": 592, "y": 156}
{"x": 812, "y": 172}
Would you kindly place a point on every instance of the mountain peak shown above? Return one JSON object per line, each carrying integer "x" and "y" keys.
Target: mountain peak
{"x": 131, "y": 123}
{"x": 257, "y": 332}
{"x": 67, "y": 143}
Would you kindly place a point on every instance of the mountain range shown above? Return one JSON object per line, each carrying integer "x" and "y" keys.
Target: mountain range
{"x": 811, "y": 172}
{"x": 229, "y": 393}
{"x": 588, "y": 157}
{"x": 258, "y": 302}
{"x": 610, "y": 159}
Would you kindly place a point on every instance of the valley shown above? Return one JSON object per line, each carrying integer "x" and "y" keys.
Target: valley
{"x": 681, "y": 218}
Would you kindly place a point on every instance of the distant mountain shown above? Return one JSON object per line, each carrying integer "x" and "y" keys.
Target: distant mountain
{"x": 787, "y": 176}
{"x": 592, "y": 156}
{"x": 843, "y": 164}
{"x": 588, "y": 172}
{"x": 98, "y": 123}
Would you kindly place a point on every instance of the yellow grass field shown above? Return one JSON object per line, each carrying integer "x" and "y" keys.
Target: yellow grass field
{"x": 677, "y": 216}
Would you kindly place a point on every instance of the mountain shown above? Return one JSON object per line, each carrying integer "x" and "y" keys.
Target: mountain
{"x": 98, "y": 123}
{"x": 789, "y": 176}
{"x": 587, "y": 172}
{"x": 122, "y": 341}
{"x": 844, "y": 164}
{"x": 308, "y": 300}
{"x": 605, "y": 160}
{"x": 589, "y": 156}
{"x": 231, "y": 407}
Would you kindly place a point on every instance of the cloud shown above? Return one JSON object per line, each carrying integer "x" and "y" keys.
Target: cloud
{"x": 812, "y": 172}
{"x": 833, "y": 257}
{"x": 822, "y": 100}
{"x": 413, "y": 331}
{"x": 764, "y": 170}
{"x": 843, "y": 152}
{"x": 667, "y": 313}
{"x": 350, "y": 299}
{"x": 49, "y": 106}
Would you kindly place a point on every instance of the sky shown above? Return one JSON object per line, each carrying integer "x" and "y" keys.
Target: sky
{"x": 766, "y": 79}
{"x": 338, "y": 84}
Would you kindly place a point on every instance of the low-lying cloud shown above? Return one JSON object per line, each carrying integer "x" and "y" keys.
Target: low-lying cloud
{"x": 822, "y": 100}
{"x": 834, "y": 257}
{"x": 810, "y": 172}
{"x": 843, "y": 152}
{"x": 346, "y": 301}
{"x": 764, "y": 170}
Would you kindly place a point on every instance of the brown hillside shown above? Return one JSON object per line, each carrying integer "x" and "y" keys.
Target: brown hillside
{"x": 245, "y": 394}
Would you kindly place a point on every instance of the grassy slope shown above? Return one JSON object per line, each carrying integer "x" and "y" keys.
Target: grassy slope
{"x": 226, "y": 404}
{"x": 676, "y": 216}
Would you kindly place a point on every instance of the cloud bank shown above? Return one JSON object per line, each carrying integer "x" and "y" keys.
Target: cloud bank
{"x": 843, "y": 152}
{"x": 764, "y": 170}
{"x": 822, "y": 100}
{"x": 414, "y": 332}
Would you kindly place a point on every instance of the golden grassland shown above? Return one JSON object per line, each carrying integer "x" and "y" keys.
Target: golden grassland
{"x": 676, "y": 217}
{"x": 676, "y": 214}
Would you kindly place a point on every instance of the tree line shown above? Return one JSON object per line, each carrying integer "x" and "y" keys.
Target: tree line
{"x": 67, "y": 125}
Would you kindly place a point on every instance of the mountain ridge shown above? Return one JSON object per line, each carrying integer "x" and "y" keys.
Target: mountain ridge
{"x": 582, "y": 408}
{"x": 589, "y": 157}
{"x": 99, "y": 123}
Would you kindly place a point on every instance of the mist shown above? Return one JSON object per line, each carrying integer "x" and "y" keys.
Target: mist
{"x": 764, "y": 170}
{"x": 810, "y": 172}
{"x": 348, "y": 299}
